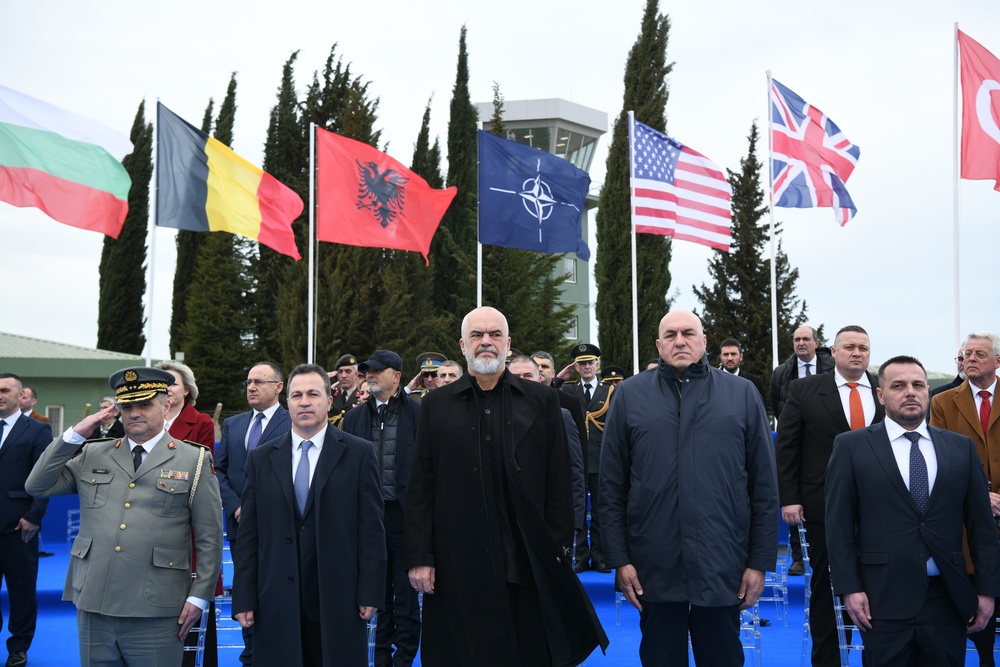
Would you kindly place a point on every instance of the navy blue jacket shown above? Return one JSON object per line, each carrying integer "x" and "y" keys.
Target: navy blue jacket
{"x": 26, "y": 440}
{"x": 688, "y": 489}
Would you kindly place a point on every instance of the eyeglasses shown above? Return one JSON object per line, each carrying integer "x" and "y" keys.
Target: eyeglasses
{"x": 978, "y": 354}
{"x": 259, "y": 383}
{"x": 432, "y": 374}
{"x": 959, "y": 359}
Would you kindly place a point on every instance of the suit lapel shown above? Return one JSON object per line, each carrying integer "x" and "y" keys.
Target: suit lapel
{"x": 281, "y": 460}
{"x": 965, "y": 405}
{"x": 879, "y": 441}
{"x": 943, "y": 453}
{"x": 333, "y": 450}
{"x": 157, "y": 456}
{"x": 12, "y": 436}
{"x": 831, "y": 399}
{"x": 273, "y": 424}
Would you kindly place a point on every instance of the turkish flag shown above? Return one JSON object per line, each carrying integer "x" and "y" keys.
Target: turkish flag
{"x": 366, "y": 198}
{"x": 980, "y": 111}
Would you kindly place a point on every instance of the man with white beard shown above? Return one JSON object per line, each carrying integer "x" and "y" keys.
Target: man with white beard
{"x": 488, "y": 518}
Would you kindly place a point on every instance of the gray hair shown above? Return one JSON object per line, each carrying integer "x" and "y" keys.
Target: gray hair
{"x": 451, "y": 363}
{"x": 187, "y": 377}
{"x": 985, "y": 335}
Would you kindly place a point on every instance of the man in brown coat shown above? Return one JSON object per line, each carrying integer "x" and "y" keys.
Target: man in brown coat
{"x": 971, "y": 409}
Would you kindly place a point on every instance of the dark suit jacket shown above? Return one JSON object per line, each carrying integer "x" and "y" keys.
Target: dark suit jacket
{"x": 878, "y": 540}
{"x": 342, "y": 524}
{"x": 811, "y": 418}
{"x": 231, "y": 459}
{"x": 955, "y": 410}
{"x": 26, "y": 440}
{"x": 754, "y": 380}
{"x": 594, "y": 434}
{"x": 945, "y": 387}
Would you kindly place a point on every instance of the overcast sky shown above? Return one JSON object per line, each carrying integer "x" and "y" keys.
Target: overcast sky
{"x": 883, "y": 71}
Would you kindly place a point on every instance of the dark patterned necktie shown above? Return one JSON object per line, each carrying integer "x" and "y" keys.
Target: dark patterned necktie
{"x": 919, "y": 481}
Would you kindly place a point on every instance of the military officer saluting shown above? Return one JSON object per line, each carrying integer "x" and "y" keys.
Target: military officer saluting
{"x": 612, "y": 375}
{"x": 593, "y": 396}
{"x": 425, "y": 381}
{"x": 142, "y": 499}
{"x": 346, "y": 387}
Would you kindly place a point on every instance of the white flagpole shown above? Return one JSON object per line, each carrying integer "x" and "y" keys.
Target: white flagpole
{"x": 479, "y": 246}
{"x": 152, "y": 242}
{"x": 311, "y": 324}
{"x": 956, "y": 208}
{"x": 774, "y": 243}
{"x": 635, "y": 294}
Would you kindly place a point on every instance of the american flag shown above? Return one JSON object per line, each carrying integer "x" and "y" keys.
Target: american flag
{"x": 677, "y": 191}
{"x": 811, "y": 159}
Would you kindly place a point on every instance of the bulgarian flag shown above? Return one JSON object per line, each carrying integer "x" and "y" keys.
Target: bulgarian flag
{"x": 66, "y": 165}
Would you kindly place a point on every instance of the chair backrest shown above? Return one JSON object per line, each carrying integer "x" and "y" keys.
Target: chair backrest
{"x": 845, "y": 644}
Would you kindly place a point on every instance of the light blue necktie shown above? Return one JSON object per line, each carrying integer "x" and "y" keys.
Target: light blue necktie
{"x": 302, "y": 477}
{"x": 255, "y": 431}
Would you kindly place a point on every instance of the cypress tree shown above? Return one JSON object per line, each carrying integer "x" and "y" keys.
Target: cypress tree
{"x": 187, "y": 251}
{"x": 522, "y": 284}
{"x": 646, "y": 93}
{"x": 217, "y": 329}
{"x": 122, "y": 272}
{"x": 737, "y": 303}
{"x": 453, "y": 250}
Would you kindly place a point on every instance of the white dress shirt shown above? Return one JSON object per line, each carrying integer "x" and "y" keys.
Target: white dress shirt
{"x": 901, "y": 451}
{"x": 864, "y": 389}
{"x": 268, "y": 415}
{"x": 313, "y": 453}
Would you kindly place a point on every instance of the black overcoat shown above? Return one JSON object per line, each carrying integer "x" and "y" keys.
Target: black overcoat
{"x": 467, "y": 619}
{"x": 350, "y": 547}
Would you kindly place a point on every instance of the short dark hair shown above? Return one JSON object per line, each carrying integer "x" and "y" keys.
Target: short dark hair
{"x": 541, "y": 354}
{"x": 731, "y": 342}
{"x": 12, "y": 376}
{"x": 850, "y": 328}
{"x": 308, "y": 369}
{"x": 654, "y": 360}
{"x": 898, "y": 359}
{"x": 273, "y": 366}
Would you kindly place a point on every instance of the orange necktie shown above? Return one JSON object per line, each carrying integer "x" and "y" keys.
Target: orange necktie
{"x": 857, "y": 410}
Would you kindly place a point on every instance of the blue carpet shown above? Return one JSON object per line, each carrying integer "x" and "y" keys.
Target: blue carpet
{"x": 56, "y": 640}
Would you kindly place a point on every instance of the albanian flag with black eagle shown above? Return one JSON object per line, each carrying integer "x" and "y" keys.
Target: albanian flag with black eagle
{"x": 366, "y": 198}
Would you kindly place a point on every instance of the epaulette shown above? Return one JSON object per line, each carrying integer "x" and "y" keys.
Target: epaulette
{"x": 197, "y": 444}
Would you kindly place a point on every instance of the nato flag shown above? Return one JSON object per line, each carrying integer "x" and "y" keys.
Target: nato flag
{"x": 530, "y": 199}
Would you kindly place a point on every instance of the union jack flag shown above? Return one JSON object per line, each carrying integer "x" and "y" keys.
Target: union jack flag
{"x": 811, "y": 159}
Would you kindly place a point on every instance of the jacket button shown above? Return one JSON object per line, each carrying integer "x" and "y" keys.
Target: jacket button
{"x": 118, "y": 549}
{"x": 302, "y": 529}
{"x": 171, "y": 563}
{"x": 131, "y": 485}
{"x": 122, "y": 527}
{"x": 128, "y": 505}
{"x": 291, "y": 580}
{"x": 288, "y": 539}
